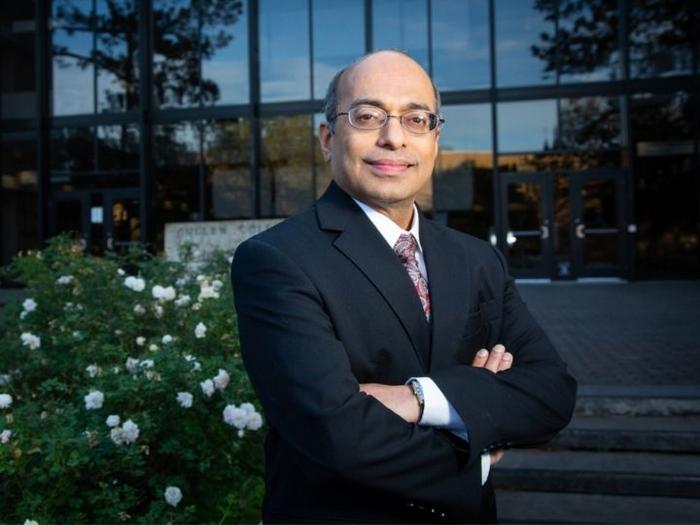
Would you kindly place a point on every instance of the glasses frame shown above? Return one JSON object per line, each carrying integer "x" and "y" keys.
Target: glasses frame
{"x": 439, "y": 121}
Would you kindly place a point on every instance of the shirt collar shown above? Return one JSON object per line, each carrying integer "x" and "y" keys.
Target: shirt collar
{"x": 388, "y": 228}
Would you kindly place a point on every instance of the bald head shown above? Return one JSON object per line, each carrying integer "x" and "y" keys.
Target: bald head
{"x": 385, "y": 58}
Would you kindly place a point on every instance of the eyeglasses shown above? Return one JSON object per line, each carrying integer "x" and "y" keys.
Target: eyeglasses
{"x": 367, "y": 118}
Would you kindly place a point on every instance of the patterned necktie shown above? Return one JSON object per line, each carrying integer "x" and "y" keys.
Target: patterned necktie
{"x": 405, "y": 248}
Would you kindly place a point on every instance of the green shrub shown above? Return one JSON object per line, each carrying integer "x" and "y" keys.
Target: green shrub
{"x": 98, "y": 367}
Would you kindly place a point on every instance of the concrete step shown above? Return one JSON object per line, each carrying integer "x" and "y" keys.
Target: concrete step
{"x": 520, "y": 507}
{"x": 617, "y": 473}
{"x": 631, "y": 433}
{"x": 638, "y": 400}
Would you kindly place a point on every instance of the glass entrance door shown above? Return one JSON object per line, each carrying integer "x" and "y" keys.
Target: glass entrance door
{"x": 597, "y": 228}
{"x": 105, "y": 220}
{"x": 527, "y": 203}
{"x": 122, "y": 220}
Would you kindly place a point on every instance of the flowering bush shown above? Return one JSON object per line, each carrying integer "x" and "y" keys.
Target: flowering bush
{"x": 122, "y": 393}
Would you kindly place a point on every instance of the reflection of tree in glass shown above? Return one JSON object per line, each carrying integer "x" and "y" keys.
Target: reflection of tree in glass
{"x": 286, "y": 158}
{"x": 116, "y": 28}
{"x": 660, "y": 35}
{"x": 184, "y": 35}
{"x": 587, "y": 43}
{"x": 588, "y": 124}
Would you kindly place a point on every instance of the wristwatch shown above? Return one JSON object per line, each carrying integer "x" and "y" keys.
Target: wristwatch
{"x": 418, "y": 392}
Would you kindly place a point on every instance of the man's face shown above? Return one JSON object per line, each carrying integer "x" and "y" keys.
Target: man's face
{"x": 388, "y": 166}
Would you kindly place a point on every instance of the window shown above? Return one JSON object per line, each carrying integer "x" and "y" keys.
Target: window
{"x": 284, "y": 50}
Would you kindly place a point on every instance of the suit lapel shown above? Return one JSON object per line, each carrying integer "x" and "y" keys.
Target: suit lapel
{"x": 448, "y": 278}
{"x": 360, "y": 242}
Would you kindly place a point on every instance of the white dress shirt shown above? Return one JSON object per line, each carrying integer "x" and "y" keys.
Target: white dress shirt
{"x": 437, "y": 411}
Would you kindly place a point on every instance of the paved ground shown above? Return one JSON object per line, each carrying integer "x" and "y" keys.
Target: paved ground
{"x": 642, "y": 333}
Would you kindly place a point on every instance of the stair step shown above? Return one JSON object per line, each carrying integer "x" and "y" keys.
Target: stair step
{"x": 638, "y": 400}
{"x": 520, "y": 507}
{"x": 661, "y": 434}
{"x": 618, "y": 473}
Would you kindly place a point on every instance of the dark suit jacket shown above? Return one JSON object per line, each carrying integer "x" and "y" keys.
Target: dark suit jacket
{"x": 324, "y": 304}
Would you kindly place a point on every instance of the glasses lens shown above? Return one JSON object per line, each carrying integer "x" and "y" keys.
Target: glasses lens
{"x": 419, "y": 121}
{"x": 367, "y": 117}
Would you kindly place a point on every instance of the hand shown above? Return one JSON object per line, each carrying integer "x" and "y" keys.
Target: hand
{"x": 498, "y": 360}
{"x": 397, "y": 398}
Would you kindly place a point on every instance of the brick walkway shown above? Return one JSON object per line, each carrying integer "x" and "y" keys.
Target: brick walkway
{"x": 643, "y": 333}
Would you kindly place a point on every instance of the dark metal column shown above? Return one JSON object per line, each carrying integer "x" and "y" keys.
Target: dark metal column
{"x": 254, "y": 83}
{"x": 145, "y": 121}
{"x": 42, "y": 64}
{"x": 497, "y": 206}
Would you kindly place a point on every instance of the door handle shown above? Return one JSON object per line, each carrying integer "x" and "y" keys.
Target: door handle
{"x": 110, "y": 243}
{"x": 581, "y": 231}
{"x": 544, "y": 229}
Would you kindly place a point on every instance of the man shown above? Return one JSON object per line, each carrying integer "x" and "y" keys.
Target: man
{"x": 360, "y": 322}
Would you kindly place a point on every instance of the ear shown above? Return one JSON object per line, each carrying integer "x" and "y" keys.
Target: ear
{"x": 325, "y": 137}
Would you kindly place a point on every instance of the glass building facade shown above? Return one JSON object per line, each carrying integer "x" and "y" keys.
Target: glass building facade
{"x": 571, "y": 141}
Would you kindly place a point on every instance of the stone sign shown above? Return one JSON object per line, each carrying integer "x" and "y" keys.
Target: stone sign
{"x": 207, "y": 237}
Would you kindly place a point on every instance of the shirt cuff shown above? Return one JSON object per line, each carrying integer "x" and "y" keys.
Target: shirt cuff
{"x": 485, "y": 466}
{"x": 438, "y": 411}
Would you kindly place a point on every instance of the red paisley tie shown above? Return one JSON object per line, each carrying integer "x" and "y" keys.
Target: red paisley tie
{"x": 405, "y": 248}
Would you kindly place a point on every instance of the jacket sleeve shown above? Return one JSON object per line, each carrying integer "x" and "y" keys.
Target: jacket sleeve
{"x": 523, "y": 406}
{"x": 302, "y": 376}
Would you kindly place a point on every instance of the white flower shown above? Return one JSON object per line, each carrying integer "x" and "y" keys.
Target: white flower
{"x": 5, "y": 400}
{"x": 196, "y": 306}
{"x": 241, "y": 433}
{"x": 29, "y": 305}
{"x": 117, "y": 435}
{"x": 77, "y": 334}
{"x": 5, "y": 379}
{"x": 92, "y": 370}
{"x": 235, "y": 417}
{"x": 23, "y": 315}
{"x": 131, "y": 364}
{"x": 207, "y": 292}
{"x": 248, "y": 407}
{"x": 5, "y": 436}
{"x": 217, "y": 284}
{"x": 183, "y": 300}
{"x": 146, "y": 363}
{"x": 173, "y": 495}
{"x": 207, "y": 387}
{"x": 94, "y": 400}
{"x": 182, "y": 281}
{"x": 140, "y": 340}
{"x": 120, "y": 271}
{"x": 30, "y": 522}
{"x": 185, "y": 399}
{"x": 200, "y": 330}
{"x": 135, "y": 283}
{"x": 64, "y": 280}
{"x": 221, "y": 379}
{"x": 163, "y": 293}
{"x": 192, "y": 359}
{"x": 153, "y": 347}
{"x": 201, "y": 278}
{"x": 139, "y": 310}
{"x": 30, "y": 340}
{"x": 118, "y": 332}
{"x": 130, "y": 430}
{"x": 113, "y": 420}
{"x": 158, "y": 311}
{"x": 71, "y": 307}
{"x": 167, "y": 339}
{"x": 254, "y": 421}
